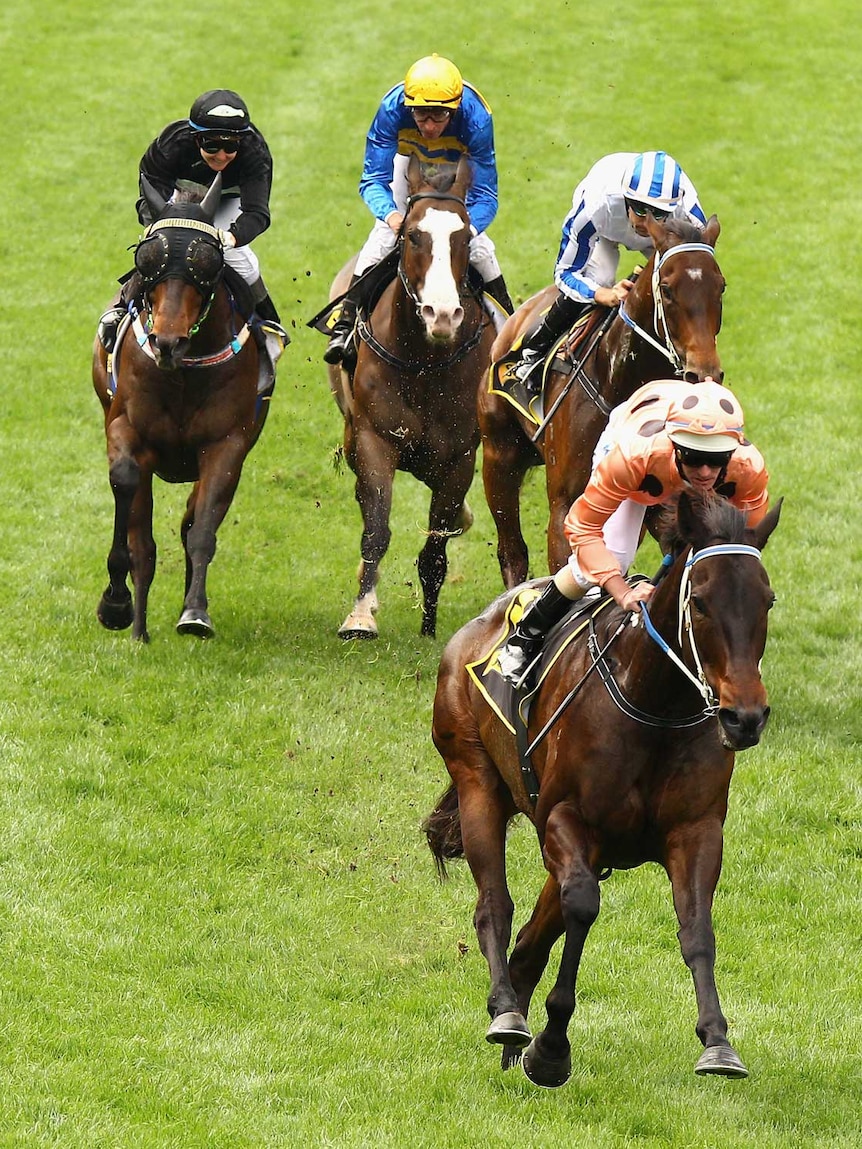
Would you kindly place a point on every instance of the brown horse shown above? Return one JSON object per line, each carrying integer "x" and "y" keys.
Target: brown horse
{"x": 636, "y": 769}
{"x": 180, "y": 396}
{"x": 409, "y": 404}
{"x": 672, "y": 314}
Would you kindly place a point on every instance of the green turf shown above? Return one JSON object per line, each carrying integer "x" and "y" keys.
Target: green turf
{"x": 219, "y": 924}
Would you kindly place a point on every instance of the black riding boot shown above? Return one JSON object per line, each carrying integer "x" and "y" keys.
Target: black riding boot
{"x": 498, "y": 291}
{"x": 524, "y": 643}
{"x": 562, "y": 315}
{"x": 342, "y": 332}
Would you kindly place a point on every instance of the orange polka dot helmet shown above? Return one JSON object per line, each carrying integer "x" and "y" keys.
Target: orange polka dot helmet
{"x": 705, "y": 417}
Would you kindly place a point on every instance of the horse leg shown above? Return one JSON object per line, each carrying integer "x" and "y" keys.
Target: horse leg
{"x": 220, "y": 468}
{"x": 529, "y": 958}
{"x": 447, "y": 511}
{"x": 142, "y": 549}
{"x": 693, "y": 865}
{"x": 115, "y": 610}
{"x": 548, "y": 1060}
{"x": 374, "y": 462}
{"x": 505, "y": 460}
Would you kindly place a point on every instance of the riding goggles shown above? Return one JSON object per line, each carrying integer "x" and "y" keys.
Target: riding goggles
{"x": 641, "y": 209}
{"x": 691, "y": 458}
{"x": 214, "y": 144}
{"x": 435, "y": 115}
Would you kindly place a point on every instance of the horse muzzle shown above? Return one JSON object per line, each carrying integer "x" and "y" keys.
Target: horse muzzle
{"x": 168, "y": 350}
{"x": 739, "y": 728}
{"x": 441, "y": 324}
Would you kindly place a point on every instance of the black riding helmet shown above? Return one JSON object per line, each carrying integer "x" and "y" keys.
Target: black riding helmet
{"x": 220, "y": 110}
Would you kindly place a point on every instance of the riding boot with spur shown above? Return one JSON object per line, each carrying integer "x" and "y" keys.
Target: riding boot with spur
{"x": 560, "y": 317}
{"x": 342, "y": 332}
{"x": 498, "y": 291}
{"x": 516, "y": 656}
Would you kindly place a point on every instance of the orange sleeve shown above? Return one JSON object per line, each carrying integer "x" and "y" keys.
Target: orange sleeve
{"x": 611, "y": 483}
{"x": 748, "y": 471}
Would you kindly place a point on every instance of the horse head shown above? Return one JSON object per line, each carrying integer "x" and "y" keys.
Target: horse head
{"x": 723, "y": 599}
{"x": 435, "y": 250}
{"x": 180, "y": 261}
{"x": 687, "y": 286}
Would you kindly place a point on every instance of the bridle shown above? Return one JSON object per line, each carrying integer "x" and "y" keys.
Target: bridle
{"x": 684, "y": 630}
{"x": 416, "y": 367}
{"x": 667, "y": 349}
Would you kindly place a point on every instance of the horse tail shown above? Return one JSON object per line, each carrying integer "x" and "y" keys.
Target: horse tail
{"x": 442, "y": 828}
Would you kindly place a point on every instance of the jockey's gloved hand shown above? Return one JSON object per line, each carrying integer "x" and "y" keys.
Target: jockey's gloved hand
{"x": 227, "y": 238}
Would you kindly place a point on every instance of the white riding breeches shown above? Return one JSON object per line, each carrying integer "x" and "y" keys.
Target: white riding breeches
{"x": 241, "y": 259}
{"x": 622, "y": 531}
{"x": 382, "y": 239}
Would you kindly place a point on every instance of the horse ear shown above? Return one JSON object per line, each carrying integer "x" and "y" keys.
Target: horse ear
{"x": 414, "y": 174}
{"x": 463, "y": 178}
{"x": 211, "y": 200}
{"x": 767, "y": 525}
{"x": 153, "y": 197}
{"x": 712, "y": 230}
{"x": 687, "y": 521}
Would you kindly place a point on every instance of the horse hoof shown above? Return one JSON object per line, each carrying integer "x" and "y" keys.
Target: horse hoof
{"x": 721, "y": 1061}
{"x": 543, "y": 1071}
{"x": 509, "y": 1029}
{"x": 115, "y": 615}
{"x": 364, "y": 627}
{"x": 196, "y": 622}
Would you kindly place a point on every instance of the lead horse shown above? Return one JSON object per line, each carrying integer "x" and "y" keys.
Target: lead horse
{"x": 180, "y": 397}
{"x": 409, "y": 403}
{"x": 635, "y": 769}
{"x": 671, "y": 315}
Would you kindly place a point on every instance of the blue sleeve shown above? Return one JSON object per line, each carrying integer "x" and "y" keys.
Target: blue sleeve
{"x": 381, "y": 146}
{"x": 482, "y": 196}
{"x": 577, "y": 243}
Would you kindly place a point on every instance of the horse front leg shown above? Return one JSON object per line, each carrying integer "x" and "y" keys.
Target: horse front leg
{"x": 375, "y": 463}
{"x": 548, "y": 1059}
{"x": 448, "y": 515}
{"x": 220, "y": 467}
{"x": 693, "y": 864}
{"x": 115, "y": 610}
{"x": 506, "y": 458}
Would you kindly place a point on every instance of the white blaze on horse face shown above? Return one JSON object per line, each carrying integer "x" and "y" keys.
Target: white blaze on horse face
{"x": 441, "y": 308}
{"x": 695, "y": 272}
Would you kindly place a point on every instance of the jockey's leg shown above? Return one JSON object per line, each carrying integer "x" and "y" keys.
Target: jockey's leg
{"x": 483, "y": 256}
{"x": 562, "y": 315}
{"x": 379, "y": 244}
{"x": 518, "y": 654}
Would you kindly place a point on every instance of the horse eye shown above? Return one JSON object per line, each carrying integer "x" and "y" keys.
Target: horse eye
{"x": 771, "y": 602}
{"x": 415, "y": 236}
{"x": 666, "y": 291}
{"x": 698, "y": 604}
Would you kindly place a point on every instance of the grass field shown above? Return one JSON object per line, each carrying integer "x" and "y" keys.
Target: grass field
{"x": 219, "y": 923}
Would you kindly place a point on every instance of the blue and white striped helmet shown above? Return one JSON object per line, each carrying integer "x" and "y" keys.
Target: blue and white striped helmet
{"x": 653, "y": 178}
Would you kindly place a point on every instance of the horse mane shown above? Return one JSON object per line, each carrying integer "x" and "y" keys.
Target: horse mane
{"x": 188, "y": 195}
{"x": 687, "y": 232}
{"x": 698, "y": 518}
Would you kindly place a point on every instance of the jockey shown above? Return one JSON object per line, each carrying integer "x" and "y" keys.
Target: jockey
{"x": 609, "y": 208}
{"x": 435, "y": 115}
{"x": 218, "y": 136}
{"x": 669, "y": 436}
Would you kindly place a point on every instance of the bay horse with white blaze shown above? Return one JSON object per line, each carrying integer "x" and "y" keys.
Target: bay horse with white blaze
{"x": 409, "y": 403}
{"x": 632, "y": 737}
{"x": 672, "y": 314}
{"x": 180, "y": 396}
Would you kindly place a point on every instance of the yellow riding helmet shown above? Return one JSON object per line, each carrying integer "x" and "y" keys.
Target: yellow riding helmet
{"x": 433, "y": 82}
{"x": 706, "y": 417}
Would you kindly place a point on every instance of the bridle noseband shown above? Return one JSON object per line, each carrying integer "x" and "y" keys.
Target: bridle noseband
{"x": 668, "y": 350}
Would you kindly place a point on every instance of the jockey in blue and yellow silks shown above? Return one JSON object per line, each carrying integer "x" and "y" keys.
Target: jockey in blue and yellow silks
{"x": 438, "y": 117}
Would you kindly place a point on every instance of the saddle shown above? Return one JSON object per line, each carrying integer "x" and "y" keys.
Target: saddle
{"x": 562, "y": 357}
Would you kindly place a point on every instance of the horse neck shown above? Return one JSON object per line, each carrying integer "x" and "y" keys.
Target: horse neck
{"x": 624, "y": 360}
{"x": 647, "y": 676}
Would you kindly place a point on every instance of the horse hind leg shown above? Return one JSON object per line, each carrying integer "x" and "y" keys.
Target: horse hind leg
{"x": 449, "y": 515}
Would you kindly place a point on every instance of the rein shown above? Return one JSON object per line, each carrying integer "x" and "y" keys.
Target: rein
{"x": 684, "y": 627}
{"x": 659, "y": 321}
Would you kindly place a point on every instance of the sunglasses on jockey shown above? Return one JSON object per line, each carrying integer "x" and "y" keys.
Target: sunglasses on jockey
{"x": 435, "y": 115}
{"x": 214, "y": 144}
{"x": 641, "y": 209}
{"x": 689, "y": 457}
